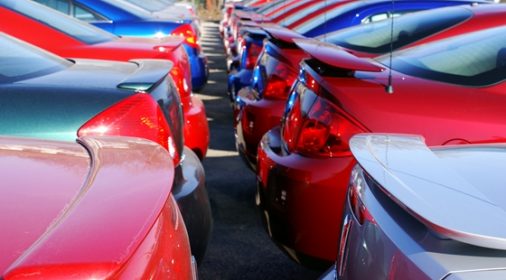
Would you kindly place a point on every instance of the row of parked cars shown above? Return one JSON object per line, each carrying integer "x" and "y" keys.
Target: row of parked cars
{"x": 102, "y": 140}
{"x": 376, "y": 130}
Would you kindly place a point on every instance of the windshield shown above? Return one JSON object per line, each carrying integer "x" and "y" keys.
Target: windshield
{"x": 473, "y": 59}
{"x": 131, "y": 8}
{"x": 20, "y": 61}
{"x": 267, "y": 8}
{"x": 314, "y": 7}
{"x": 376, "y": 37}
{"x": 76, "y": 29}
{"x": 149, "y": 5}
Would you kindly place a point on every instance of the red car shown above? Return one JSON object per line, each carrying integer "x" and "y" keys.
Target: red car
{"x": 450, "y": 91}
{"x": 84, "y": 213}
{"x": 260, "y": 107}
{"x": 67, "y": 37}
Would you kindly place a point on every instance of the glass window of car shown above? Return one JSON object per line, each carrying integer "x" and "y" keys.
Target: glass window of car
{"x": 304, "y": 12}
{"x": 267, "y": 8}
{"x": 60, "y": 5}
{"x": 79, "y": 30}
{"x": 376, "y": 37}
{"x": 82, "y": 13}
{"x": 473, "y": 59}
{"x": 150, "y": 5}
{"x": 19, "y": 61}
{"x": 129, "y": 7}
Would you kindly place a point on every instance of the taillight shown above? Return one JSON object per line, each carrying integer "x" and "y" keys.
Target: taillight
{"x": 356, "y": 189}
{"x": 137, "y": 116}
{"x": 279, "y": 82}
{"x": 186, "y": 30}
{"x": 316, "y": 127}
{"x": 250, "y": 55}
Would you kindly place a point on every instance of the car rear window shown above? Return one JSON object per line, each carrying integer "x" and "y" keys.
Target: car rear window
{"x": 81, "y": 31}
{"x": 474, "y": 59}
{"x": 19, "y": 61}
{"x": 376, "y": 37}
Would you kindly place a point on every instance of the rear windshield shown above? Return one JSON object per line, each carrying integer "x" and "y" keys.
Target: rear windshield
{"x": 267, "y": 8}
{"x": 20, "y": 61}
{"x": 375, "y": 37}
{"x": 307, "y": 11}
{"x": 150, "y": 5}
{"x": 129, "y": 7}
{"x": 474, "y": 59}
{"x": 76, "y": 29}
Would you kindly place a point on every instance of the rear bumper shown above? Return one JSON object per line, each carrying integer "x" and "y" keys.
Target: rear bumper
{"x": 191, "y": 195}
{"x": 196, "y": 128}
{"x": 302, "y": 200}
{"x": 253, "y": 118}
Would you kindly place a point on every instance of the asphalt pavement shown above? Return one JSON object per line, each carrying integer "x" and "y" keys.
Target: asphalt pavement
{"x": 239, "y": 247}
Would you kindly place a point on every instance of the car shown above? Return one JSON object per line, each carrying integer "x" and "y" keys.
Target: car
{"x": 67, "y": 218}
{"x": 393, "y": 226}
{"x": 341, "y": 14}
{"x": 436, "y": 90}
{"x": 68, "y": 37}
{"x": 125, "y": 19}
{"x": 47, "y": 97}
{"x": 179, "y": 11}
{"x": 260, "y": 107}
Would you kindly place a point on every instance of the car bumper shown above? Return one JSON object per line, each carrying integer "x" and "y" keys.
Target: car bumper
{"x": 191, "y": 195}
{"x": 253, "y": 118}
{"x": 302, "y": 200}
{"x": 196, "y": 129}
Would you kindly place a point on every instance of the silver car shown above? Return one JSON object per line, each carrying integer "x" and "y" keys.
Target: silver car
{"x": 415, "y": 212}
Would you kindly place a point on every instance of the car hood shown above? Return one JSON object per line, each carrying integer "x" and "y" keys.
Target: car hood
{"x": 71, "y": 223}
{"x": 466, "y": 181}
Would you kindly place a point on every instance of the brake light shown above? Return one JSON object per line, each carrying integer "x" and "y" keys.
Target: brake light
{"x": 250, "y": 55}
{"x": 279, "y": 82}
{"x": 356, "y": 189}
{"x": 137, "y": 116}
{"x": 315, "y": 127}
{"x": 188, "y": 33}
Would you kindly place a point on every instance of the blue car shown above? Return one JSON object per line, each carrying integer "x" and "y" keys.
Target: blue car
{"x": 338, "y": 17}
{"x": 126, "y": 19}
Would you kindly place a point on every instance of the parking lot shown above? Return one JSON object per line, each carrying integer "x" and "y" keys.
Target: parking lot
{"x": 239, "y": 246}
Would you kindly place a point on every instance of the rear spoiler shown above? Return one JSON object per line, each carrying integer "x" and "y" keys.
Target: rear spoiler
{"x": 149, "y": 72}
{"x": 335, "y": 56}
{"x": 421, "y": 183}
{"x": 282, "y": 34}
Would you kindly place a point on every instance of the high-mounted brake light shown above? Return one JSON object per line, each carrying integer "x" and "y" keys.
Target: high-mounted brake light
{"x": 279, "y": 82}
{"x": 136, "y": 116}
{"x": 186, "y": 31}
{"x": 250, "y": 54}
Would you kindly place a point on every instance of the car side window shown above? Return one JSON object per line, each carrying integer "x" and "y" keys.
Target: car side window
{"x": 382, "y": 16}
{"x": 60, "y": 5}
{"x": 84, "y": 14}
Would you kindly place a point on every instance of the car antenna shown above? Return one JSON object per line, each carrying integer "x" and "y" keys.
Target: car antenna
{"x": 390, "y": 88}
